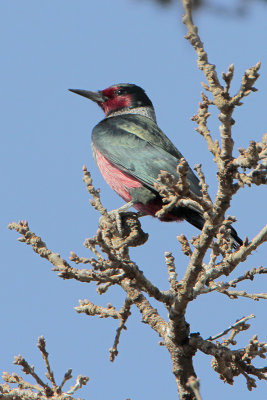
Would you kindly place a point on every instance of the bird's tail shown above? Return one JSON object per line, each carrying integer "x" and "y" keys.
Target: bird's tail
{"x": 196, "y": 219}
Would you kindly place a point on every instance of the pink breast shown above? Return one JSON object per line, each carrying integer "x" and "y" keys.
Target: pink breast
{"x": 119, "y": 181}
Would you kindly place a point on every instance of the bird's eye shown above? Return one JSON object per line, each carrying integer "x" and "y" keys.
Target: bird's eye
{"x": 119, "y": 92}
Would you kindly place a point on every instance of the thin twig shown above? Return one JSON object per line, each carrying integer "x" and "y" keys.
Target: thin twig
{"x": 50, "y": 375}
{"x": 125, "y": 312}
{"x": 234, "y": 326}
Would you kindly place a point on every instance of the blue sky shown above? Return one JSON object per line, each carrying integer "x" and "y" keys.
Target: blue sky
{"x": 48, "y": 47}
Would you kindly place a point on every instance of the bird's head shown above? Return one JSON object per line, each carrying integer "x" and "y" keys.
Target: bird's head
{"x": 117, "y": 97}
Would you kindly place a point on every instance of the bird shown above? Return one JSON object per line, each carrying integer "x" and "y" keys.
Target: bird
{"x": 130, "y": 151}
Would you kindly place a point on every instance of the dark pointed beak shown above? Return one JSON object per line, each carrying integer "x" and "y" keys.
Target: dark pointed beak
{"x": 97, "y": 97}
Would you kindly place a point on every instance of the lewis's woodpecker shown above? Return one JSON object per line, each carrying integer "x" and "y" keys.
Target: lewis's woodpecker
{"x": 131, "y": 151}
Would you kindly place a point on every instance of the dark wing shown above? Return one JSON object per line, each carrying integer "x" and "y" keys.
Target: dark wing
{"x": 136, "y": 145}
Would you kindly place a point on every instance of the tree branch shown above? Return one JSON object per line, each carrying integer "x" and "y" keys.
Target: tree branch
{"x": 41, "y": 391}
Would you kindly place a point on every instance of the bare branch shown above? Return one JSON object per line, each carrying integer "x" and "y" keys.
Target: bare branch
{"x": 229, "y": 263}
{"x": 80, "y": 260}
{"x": 234, "y": 294}
{"x": 96, "y": 203}
{"x": 80, "y": 381}
{"x": 230, "y": 363}
{"x": 41, "y": 391}
{"x": 170, "y": 262}
{"x": 185, "y": 245}
{"x": 249, "y": 78}
{"x": 37, "y": 244}
{"x": 29, "y": 370}
{"x": 228, "y": 76}
{"x": 91, "y": 309}
{"x": 67, "y": 377}
{"x": 125, "y": 312}
{"x": 234, "y": 326}
{"x": 50, "y": 375}
{"x": 222, "y": 287}
{"x": 201, "y": 119}
{"x": 248, "y": 275}
{"x": 202, "y": 62}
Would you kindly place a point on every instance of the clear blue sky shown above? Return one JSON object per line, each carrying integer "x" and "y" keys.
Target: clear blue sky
{"x": 48, "y": 47}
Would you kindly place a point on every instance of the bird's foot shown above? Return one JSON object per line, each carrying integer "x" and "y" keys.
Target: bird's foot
{"x": 118, "y": 230}
{"x": 116, "y": 215}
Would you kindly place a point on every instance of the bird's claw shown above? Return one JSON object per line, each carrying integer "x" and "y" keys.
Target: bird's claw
{"x": 116, "y": 217}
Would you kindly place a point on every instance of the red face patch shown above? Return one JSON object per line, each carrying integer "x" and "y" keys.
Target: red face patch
{"x": 116, "y": 100}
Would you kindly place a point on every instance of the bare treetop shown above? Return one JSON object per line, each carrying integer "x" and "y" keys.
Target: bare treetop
{"x": 211, "y": 254}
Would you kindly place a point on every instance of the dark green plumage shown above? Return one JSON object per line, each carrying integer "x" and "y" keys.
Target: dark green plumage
{"x": 136, "y": 145}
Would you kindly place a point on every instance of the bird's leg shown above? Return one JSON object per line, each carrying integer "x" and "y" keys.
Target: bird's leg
{"x": 125, "y": 207}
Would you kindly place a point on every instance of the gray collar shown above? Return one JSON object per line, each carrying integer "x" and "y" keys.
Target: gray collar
{"x": 146, "y": 111}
